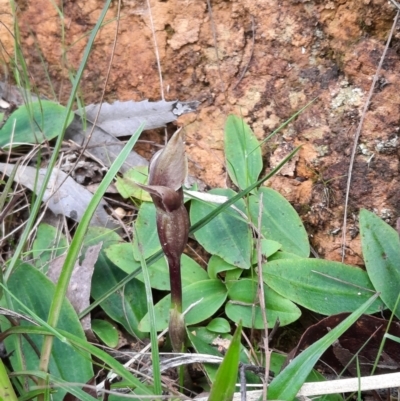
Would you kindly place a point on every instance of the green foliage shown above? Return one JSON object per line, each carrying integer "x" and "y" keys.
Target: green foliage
{"x": 279, "y": 221}
{"x": 207, "y": 342}
{"x": 277, "y": 361}
{"x": 38, "y": 302}
{"x": 242, "y": 152}
{"x": 126, "y": 185}
{"x": 6, "y": 389}
{"x": 121, "y": 255}
{"x": 228, "y": 286}
{"x": 320, "y": 285}
{"x": 49, "y": 244}
{"x": 106, "y": 331}
{"x": 34, "y": 123}
{"x": 126, "y": 307}
{"x": 228, "y": 234}
{"x": 381, "y": 250}
{"x": 80, "y": 344}
{"x": 286, "y": 385}
{"x": 244, "y": 306}
{"x": 219, "y": 325}
{"x": 224, "y": 385}
{"x": 218, "y": 265}
{"x": 211, "y": 294}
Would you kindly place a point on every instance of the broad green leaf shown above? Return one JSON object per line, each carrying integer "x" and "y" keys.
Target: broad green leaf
{"x": 280, "y": 222}
{"x": 283, "y": 255}
{"x": 227, "y": 235}
{"x": 219, "y": 325}
{"x": 232, "y": 275}
{"x": 126, "y": 306}
{"x": 147, "y": 231}
{"x": 212, "y": 294}
{"x": 122, "y": 256}
{"x": 37, "y": 294}
{"x": 106, "y": 331}
{"x": 126, "y": 185}
{"x": 287, "y": 384}
{"x": 217, "y": 265}
{"x": 49, "y": 244}
{"x": 242, "y": 152}
{"x": 191, "y": 272}
{"x": 34, "y": 123}
{"x": 321, "y": 285}
{"x": 224, "y": 385}
{"x": 244, "y": 306}
{"x": 268, "y": 248}
{"x": 381, "y": 251}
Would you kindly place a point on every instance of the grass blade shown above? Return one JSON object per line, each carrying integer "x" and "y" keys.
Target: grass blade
{"x": 226, "y": 377}
{"x": 155, "y": 356}
{"x": 287, "y": 384}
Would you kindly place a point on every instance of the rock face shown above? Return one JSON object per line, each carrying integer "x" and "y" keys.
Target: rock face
{"x": 262, "y": 59}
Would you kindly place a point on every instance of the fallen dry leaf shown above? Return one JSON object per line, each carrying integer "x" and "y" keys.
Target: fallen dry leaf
{"x": 81, "y": 281}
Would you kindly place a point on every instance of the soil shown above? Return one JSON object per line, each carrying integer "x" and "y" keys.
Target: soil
{"x": 263, "y": 60}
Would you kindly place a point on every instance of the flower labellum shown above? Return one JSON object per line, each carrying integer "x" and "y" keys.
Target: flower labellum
{"x": 167, "y": 173}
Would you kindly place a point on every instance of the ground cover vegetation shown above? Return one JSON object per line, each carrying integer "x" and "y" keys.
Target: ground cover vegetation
{"x": 72, "y": 295}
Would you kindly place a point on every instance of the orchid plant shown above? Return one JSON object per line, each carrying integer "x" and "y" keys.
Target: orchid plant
{"x": 167, "y": 173}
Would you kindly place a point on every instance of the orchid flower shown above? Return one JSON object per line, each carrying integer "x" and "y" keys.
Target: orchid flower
{"x": 167, "y": 173}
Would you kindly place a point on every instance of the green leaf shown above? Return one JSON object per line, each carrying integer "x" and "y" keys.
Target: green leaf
{"x": 244, "y": 306}
{"x": 6, "y": 389}
{"x": 217, "y": 265}
{"x": 212, "y": 294}
{"x": 201, "y": 340}
{"x": 320, "y": 285}
{"x": 106, "y": 331}
{"x": 37, "y": 295}
{"x": 232, "y": 276}
{"x": 219, "y": 325}
{"x": 34, "y": 123}
{"x": 122, "y": 256}
{"x": 277, "y": 361}
{"x": 126, "y": 306}
{"x": 242, "y": 152}
{"x": 82, "y": 344}
{"x": 381, "y": 250}
{"x": 147, "y": 230}
{"x": 126, "y": 185}
{"x": 283, "y": 255}
{"x": 287, "y": 384}
{"x": 280, "y": 222}
{"x": 268, "y": 248}
{"x": 205, "y": 341}
{"x": 49, "y": 244}
{"x": 226, "y": 377}
{"x": 227, "y": 235}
